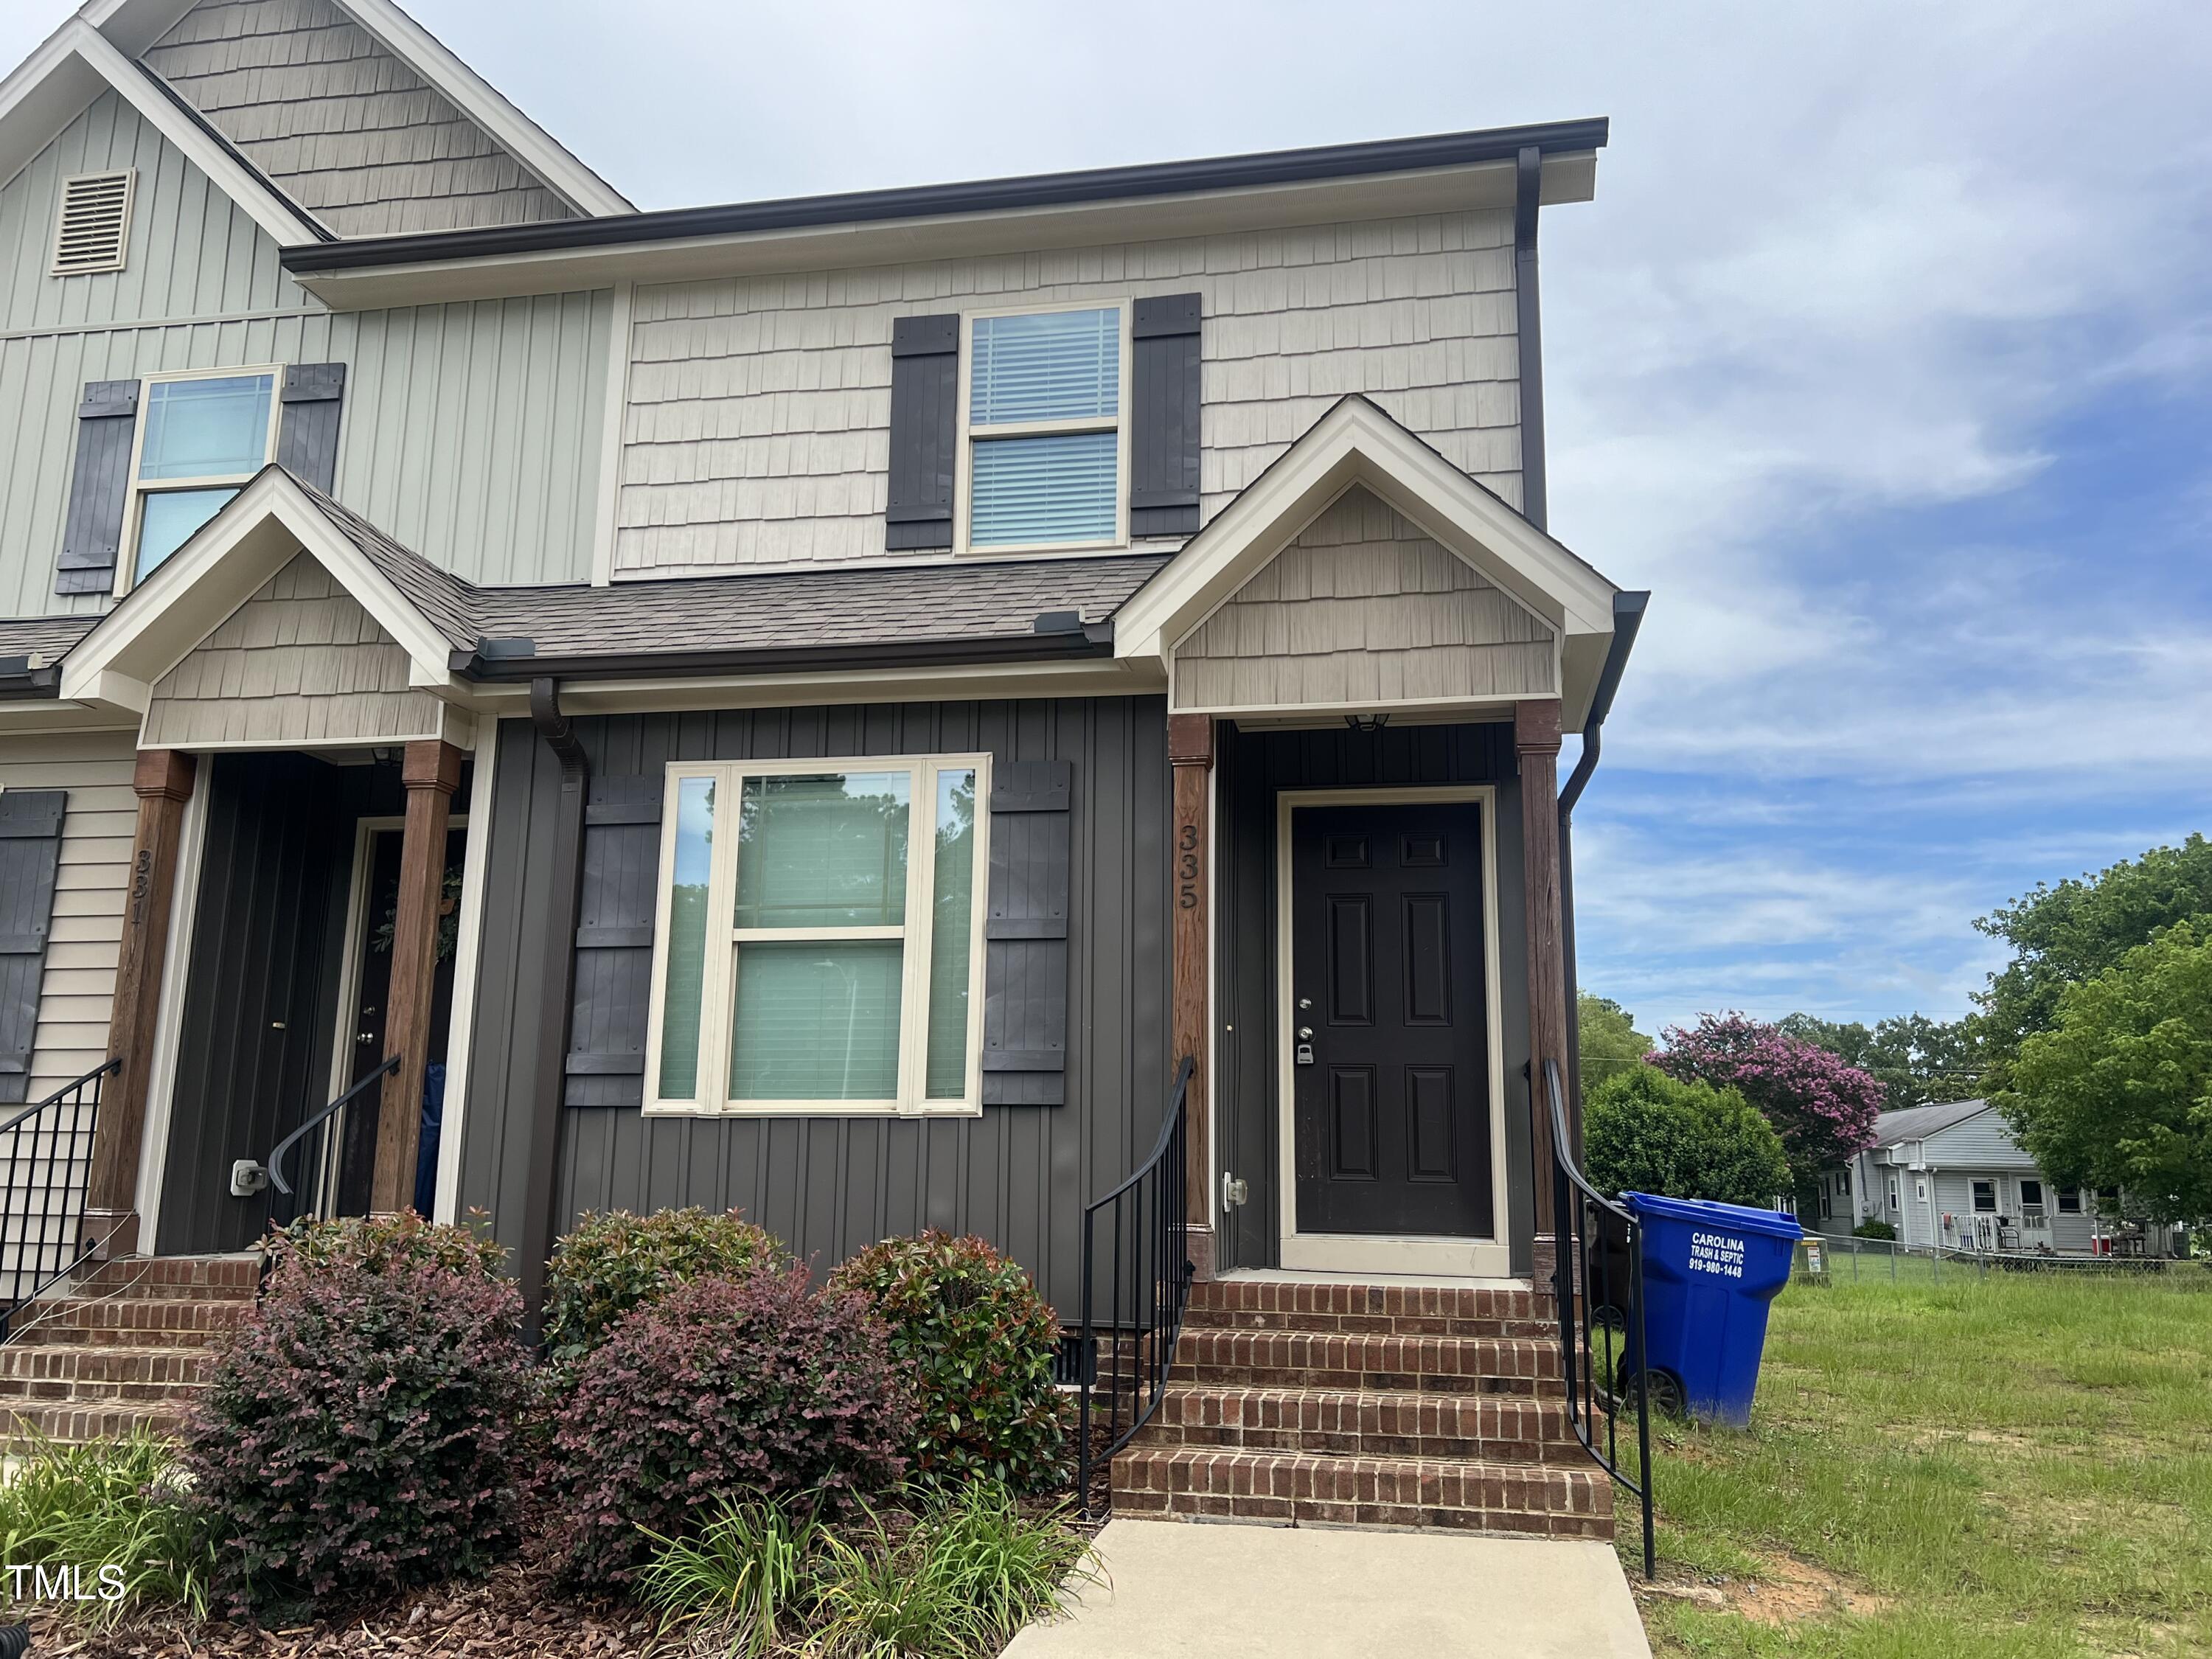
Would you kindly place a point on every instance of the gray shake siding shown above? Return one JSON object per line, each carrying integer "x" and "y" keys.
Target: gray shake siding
{"x": 757, "y": 429}
{"x": 469, "y": 432}
{"x": 828, "y": 1185}
{"x": 340, "y": 125}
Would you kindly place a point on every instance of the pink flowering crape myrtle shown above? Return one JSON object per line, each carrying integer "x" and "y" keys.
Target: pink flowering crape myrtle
{"x": 1823, "y": 1110}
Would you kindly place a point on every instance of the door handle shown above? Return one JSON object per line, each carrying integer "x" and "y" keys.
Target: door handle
{"x": 1305, "y": 1033}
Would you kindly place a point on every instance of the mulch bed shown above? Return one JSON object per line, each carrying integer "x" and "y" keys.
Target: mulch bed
{"x": 513, "y": 1612}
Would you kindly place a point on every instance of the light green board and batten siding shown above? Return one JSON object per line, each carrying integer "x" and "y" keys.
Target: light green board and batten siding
{"x": 472, "y": 432}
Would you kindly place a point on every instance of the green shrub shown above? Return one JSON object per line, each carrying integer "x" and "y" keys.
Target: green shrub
{"x": 976, "y": 1341}
{"x": 1646, "y": 1132}
{"x": 110, "y": 1505}
{"x": 378, "y": 1244}
{"x": 724, "y": 1388}
{"x": 615, "y": 1262}
{"x": 1871, "y": 1229}
{"x": 359, "y": 1430}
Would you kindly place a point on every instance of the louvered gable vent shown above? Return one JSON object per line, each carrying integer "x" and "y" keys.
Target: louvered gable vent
{"x": 96, "y": 223}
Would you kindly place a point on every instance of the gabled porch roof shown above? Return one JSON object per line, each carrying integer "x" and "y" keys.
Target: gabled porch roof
{"x": 1356, "y": 444}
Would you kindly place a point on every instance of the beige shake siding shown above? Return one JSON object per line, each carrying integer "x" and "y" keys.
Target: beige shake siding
{"x": 339, "y": 125}
{"x": 757, "y": 426}
{"x": 76, "y": 988}
{"x": 1363, "y": 607}
{"x": 472, "y": 432}
{"x": 300, "y": 662}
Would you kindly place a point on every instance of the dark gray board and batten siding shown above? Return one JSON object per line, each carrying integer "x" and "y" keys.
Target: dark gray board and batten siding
{"x": 1250, "y": 770}
{"x": 828, "y": 1185}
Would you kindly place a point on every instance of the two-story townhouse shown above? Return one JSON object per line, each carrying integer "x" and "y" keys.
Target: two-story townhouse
{"x": 832, "y": 706}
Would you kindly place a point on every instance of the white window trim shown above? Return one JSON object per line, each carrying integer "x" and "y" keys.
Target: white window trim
{"x": 963, "y": 487}
{"x": 126, "y": 555}
{"x": 912, "y": 1099}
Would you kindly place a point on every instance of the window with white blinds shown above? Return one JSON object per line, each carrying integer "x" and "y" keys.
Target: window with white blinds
{"x": 1046, "y": 429}
{"x": 818, "y": 940}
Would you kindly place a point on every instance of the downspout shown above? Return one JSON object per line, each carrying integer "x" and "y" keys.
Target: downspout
{"x": 1528, "y": 331}
{"x": 1627, "y": 618}
{"x": 563, "y": 896}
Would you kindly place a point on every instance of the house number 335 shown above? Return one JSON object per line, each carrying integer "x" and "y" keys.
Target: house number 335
{"x": 1187, "y": 867}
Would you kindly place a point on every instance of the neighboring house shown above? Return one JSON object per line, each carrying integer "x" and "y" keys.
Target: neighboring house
{"x": 1953, "y": 1177}
{"x": 813, "y": 705}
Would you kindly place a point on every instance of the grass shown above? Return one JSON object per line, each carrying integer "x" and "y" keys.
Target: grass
{"x": 2020, "y": 1465}
{"x": 952, "y": 1577}
{"x": 111, "y": 1504}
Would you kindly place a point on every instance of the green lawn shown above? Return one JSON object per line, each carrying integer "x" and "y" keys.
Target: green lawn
{"x": 2015, "y": 1466}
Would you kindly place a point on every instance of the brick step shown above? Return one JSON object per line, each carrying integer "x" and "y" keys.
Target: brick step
{"x": 1477, "y": 1428}
{"x": 84, "y": 1373}
{"x": 1532, "y": 1499}
{"x": 73, "y": 1424}
{"x": 130, "y": 1321}
{"x": 192, "y": 1277}
{"x": 1368, "y": 1363}
{"x": 1496, "y": 1310}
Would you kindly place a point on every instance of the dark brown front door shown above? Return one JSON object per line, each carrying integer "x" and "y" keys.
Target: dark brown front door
{"x": 1388, "y": 1016}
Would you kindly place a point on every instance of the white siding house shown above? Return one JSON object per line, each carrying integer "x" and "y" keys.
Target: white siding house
{"x": 1953, "y": 1177}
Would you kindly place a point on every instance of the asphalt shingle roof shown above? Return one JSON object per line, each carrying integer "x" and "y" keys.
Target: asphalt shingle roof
{"x": 1919, "y": 1122}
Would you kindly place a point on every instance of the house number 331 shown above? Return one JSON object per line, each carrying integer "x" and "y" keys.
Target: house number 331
{"x": 1187, "y": 867}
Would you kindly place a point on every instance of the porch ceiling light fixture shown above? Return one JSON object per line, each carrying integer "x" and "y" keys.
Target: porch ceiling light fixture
{"x": 1367, "y": 722}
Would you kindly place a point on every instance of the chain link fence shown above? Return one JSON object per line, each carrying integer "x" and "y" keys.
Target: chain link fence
{"x": 1825, "y": 1259}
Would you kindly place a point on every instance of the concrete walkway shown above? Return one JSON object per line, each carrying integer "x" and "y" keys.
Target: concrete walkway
{"x": 1224, "y": 1591}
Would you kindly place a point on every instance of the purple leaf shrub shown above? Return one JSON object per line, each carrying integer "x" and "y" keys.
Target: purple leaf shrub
{"x": 749, "y": 1385}
{"x": 358, "y": 1432}
{"x": 1823, "y": 1110}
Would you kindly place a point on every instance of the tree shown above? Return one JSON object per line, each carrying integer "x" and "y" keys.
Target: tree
{"x": 1646, "y": 1132}
{"x": 1916, "y": 1060}
{"x": 1823, "y": 1110}
{"x": 1608, "y": 1040}
{"x": 2066, "y": 934}
{"x": 2118, "y": 1092}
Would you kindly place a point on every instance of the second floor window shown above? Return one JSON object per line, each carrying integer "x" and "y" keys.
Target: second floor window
{"x": 1045, "y": 428}
{"x": 200, "y": 439}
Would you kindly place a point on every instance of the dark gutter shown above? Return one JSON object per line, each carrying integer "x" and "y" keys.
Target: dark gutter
{"x": 1528, "y": 331}
{"x": 1627, "y": 620}
{"x": 1280, "y": 166}
{"x": 502, "y": 664}
{"x": 561, "y": 901}
{"x": 20, "y": 683}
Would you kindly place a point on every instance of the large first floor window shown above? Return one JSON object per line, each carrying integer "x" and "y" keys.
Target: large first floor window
{"x": 819, "y": 945}
{"x": 200, "y": 438}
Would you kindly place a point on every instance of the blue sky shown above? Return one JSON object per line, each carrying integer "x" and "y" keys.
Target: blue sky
{"x": 1884, "y": 358}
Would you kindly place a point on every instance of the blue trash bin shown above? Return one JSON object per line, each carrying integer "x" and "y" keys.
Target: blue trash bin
{"x": 1709, "y": 1271}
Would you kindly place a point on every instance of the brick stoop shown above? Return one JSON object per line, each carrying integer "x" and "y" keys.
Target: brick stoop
{"x": 123, "y": 1350}
{"x": 1368, "y": 1406}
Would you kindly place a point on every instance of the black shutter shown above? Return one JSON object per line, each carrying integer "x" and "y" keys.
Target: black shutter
{"x": 30, "y": 852}
{"x": 1025, "y": 936}
{"x": 1164, "y": 417}
{"x": 925, "y": 439}
{"x": 605, "y": 1065}
{"x": 307, "y": 435}
{"x": 99, "y": 489}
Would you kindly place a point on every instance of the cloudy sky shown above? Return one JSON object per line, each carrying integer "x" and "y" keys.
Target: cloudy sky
{"x": 1884, "y": 358}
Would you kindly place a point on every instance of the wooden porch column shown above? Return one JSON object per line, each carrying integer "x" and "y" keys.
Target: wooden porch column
{"x": 431, "y": 771}
{"x": 1190, "y": 752}
{"x": 1537, "y": 742}
{"x": 163, "y": 781}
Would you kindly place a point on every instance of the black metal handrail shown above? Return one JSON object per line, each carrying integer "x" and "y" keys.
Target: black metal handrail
{"x": 43, "y": 1189}
{"x": 1599, "y": 1285}
{"x": 1145, "y": 1217}
{"x": 276, "y": 1164}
